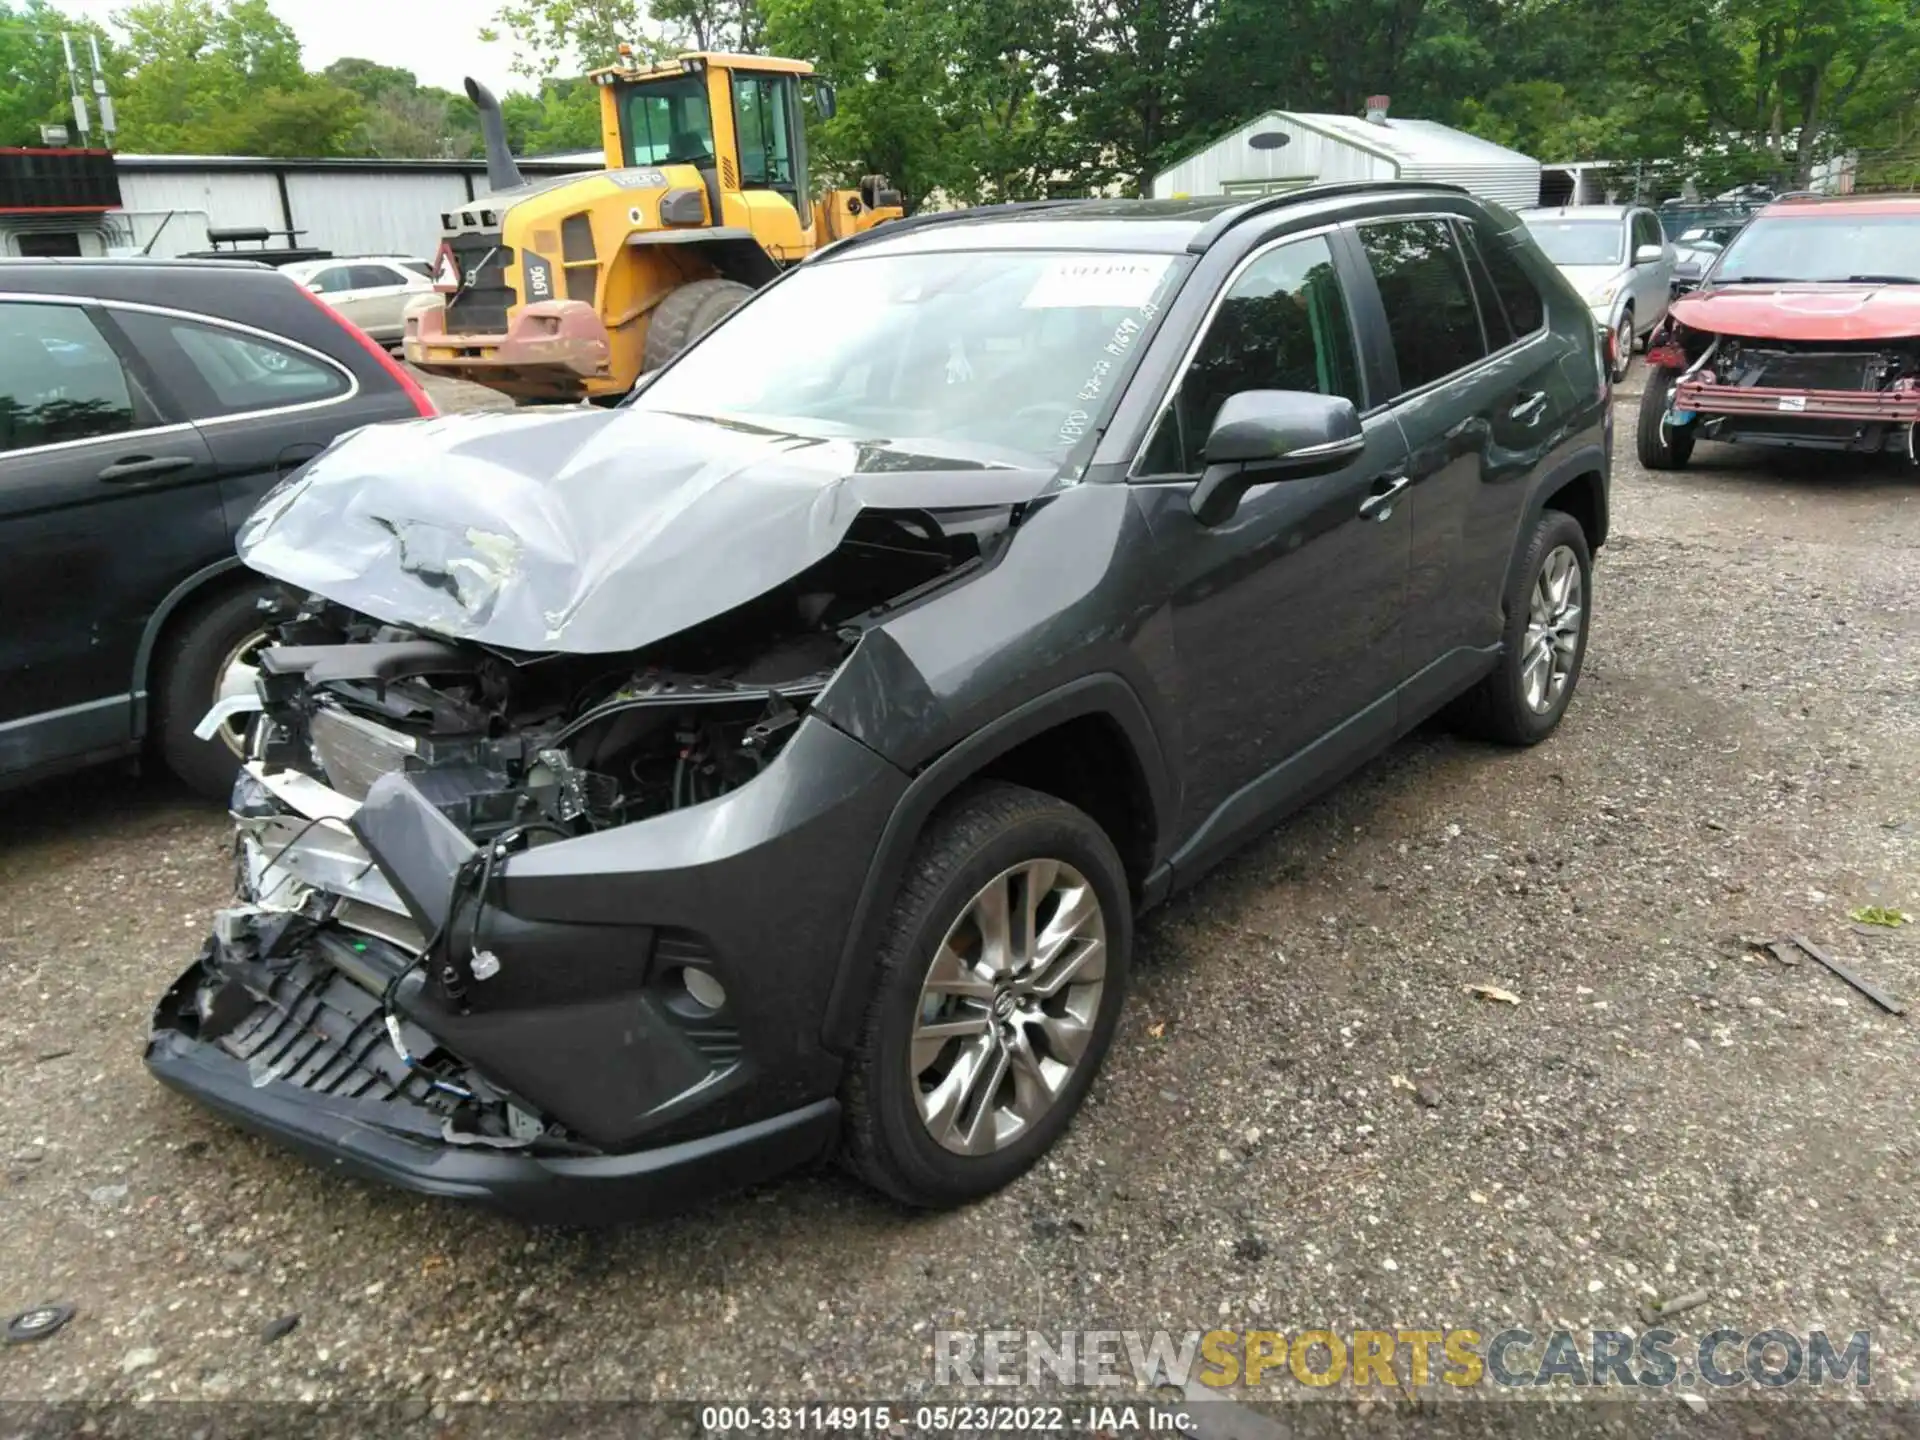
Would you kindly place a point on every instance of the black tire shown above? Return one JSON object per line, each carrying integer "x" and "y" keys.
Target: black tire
{"x": 1659, "y": 445}
{"x": 986, "y": 830}
{"x": 1623, "y": 353}
{"x": 187, "y": 667}
{"x": 1496, "y": 709}
{"x": 687, "y": 314}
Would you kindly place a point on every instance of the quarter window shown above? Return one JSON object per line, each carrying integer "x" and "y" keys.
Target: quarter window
{"x": 1283, "y": 326}
{"x": 222, "y": 372}
{"x": 1423, "y": 285}
{"x": 60, "y": 379}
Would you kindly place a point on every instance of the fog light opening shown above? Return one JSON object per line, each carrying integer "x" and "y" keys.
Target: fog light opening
{"x": 705, "y": 991}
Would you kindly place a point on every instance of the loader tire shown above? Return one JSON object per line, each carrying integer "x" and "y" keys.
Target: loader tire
{"x": 687, "y": 314}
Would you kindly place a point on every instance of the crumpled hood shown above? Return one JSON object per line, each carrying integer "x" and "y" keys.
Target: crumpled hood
{"x": 1804, "y": 312}
{"x": 588, "y": 531}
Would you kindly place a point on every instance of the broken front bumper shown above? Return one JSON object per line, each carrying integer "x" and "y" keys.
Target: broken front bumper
{"x": 1703, "y": 397}
{"x": 397, "y": 1144}
{"x": 578, "y": 1081}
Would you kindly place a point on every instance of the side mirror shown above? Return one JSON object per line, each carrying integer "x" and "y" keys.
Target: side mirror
{"x": 1262, "y": 435}
{"x": 824, "y": 101}
{"x": 1649, "y": 254}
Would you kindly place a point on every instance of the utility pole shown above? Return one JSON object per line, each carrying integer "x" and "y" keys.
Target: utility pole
{"x": 81, "y": 121}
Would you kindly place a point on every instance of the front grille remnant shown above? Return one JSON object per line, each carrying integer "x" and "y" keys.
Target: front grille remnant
{"x": 320, "y": 1031}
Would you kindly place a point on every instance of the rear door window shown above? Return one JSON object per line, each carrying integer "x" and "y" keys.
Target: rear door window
{"x": 376, "y": 277}
{"x": 217, "y": 371}
{"x": 332, "y": 280}
{"x": 1519, "y": 296}
{"x": 1431, "y": 315}
{"x": 60, "y": 379}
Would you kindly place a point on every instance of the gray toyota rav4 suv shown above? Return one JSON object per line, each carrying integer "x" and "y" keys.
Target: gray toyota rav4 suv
{"x": 648, "y": 800}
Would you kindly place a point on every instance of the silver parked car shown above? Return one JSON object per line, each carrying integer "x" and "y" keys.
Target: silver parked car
{"x": 1620, "y": 261}
{"x": 372, "y": 291}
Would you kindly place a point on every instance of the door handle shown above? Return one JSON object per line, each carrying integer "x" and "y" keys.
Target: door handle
{"x": 1379, "y": 505}
{"x": 1529, "y": 408}
{"x": 143, "y": 467}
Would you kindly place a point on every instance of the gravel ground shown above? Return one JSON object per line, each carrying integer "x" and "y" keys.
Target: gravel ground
{"x": 1663, "y": 1109}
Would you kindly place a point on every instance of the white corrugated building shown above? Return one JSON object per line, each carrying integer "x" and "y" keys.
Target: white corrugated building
{"x": 1348, "y": 147}
{"x": 351, "y": 207}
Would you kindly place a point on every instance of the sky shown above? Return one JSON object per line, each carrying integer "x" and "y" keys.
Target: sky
{"x": 439, "y": 40}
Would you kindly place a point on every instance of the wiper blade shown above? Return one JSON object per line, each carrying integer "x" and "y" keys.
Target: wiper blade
{"x": 1883, "y": 279}
{"x": 1752, "y": 280}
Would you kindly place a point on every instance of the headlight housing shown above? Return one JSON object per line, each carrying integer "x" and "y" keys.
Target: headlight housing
{"x": 1603, "y": 294}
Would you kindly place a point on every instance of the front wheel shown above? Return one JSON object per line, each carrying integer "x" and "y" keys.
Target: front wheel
{"x": 1623, "y": 346}
{"x": 1658, "y": 443}
{"x": 208, "y": 653}
{"x": 1545, "y": 643}
{"x": 1002, "y": 974}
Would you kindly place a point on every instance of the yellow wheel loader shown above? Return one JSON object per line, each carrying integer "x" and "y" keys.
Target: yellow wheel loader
{"x": 570, "y": 289}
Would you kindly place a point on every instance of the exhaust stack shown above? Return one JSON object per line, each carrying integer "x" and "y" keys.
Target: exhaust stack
{"x": 502, "y": 172}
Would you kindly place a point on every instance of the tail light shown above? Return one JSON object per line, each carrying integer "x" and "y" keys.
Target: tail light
{"x": 401, "y": 375}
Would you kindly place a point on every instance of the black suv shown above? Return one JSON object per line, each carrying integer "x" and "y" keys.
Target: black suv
{"x": 651, "y": 799}
{"x": 145, "y": 406}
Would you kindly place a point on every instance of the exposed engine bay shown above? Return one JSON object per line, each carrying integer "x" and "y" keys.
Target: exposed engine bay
{"x": 337, "y": 971}
{"x": 1862, "y": 396}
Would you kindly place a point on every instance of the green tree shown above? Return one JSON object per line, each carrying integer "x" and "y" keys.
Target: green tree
{"x": 572, "y": 35}
{"x": 224, "y": 76}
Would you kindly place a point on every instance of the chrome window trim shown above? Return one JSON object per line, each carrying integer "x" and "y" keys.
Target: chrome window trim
{"x": 196, "y": 317}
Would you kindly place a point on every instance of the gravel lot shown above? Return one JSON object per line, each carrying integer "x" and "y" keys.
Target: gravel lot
{"x": 1663, "y": 1110}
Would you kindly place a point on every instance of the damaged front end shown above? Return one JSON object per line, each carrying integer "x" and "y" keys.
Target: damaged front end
{"x": 553, "y": 929}
{"x": 1855, "y": 396}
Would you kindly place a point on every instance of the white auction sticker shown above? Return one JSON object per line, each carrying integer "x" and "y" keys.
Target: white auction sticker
{"x": 1096, "y": 282}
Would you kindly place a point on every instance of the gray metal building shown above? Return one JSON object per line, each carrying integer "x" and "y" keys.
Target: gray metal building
{"x": 1349, "y": 147}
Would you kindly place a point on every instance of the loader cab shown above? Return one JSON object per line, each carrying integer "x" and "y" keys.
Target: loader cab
{"x": 738, "y": 120}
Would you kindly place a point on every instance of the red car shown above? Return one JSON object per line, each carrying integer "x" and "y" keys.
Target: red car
{"x": 1805, "y": 333}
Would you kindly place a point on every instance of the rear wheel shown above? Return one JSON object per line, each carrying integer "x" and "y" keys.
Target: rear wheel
{"x": 1658, "y": 443}
{"x": 687, "y": 314}
{"x": 1521, "y": 702}
{"x": 207, "y": 654}
{"x": 1002, "y": 974}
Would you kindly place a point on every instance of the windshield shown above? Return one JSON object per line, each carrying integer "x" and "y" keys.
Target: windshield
{"x": 1017, "y": 350}
{"x": 668, "y": 122}
{"x": 1578, "y": 242}
{"x": 1832, "y": 246}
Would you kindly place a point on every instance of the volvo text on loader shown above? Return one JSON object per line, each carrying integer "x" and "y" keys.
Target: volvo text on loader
{"x": 571, "y": 288}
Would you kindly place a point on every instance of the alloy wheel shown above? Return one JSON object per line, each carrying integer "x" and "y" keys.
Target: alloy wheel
{"x": 237, "y": 676}
{"x": 1555, "y": 615}
{"x": 1008, "y": 1008}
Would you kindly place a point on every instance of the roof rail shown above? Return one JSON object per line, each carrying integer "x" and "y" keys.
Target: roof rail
{"x": 1226, "y": 220}
{"x": 938, "y": 217}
